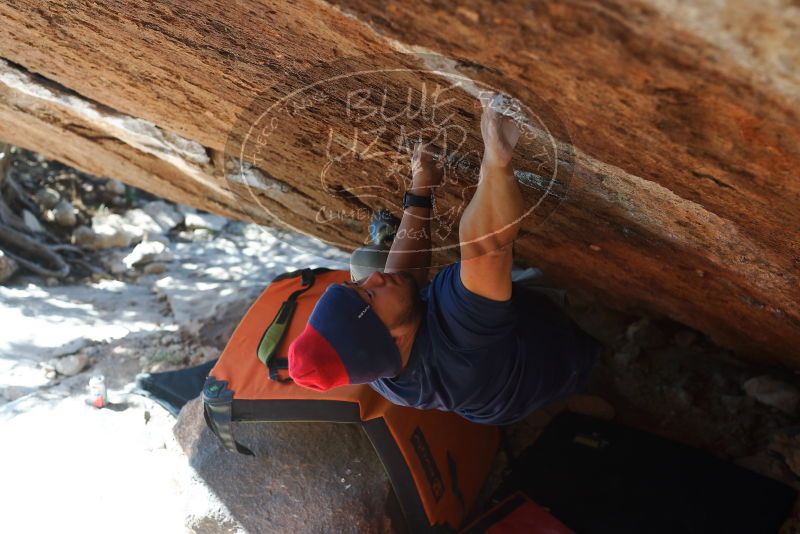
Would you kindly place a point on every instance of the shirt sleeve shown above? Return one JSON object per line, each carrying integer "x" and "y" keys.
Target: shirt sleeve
{"x": 467, "y": 320}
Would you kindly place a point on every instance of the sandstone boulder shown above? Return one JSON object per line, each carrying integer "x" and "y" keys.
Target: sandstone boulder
{"x": 306, "y": 477}
{"x": 676, "y": 128}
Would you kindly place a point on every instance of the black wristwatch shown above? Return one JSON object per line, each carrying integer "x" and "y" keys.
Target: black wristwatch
{"x": 417, "y": 201}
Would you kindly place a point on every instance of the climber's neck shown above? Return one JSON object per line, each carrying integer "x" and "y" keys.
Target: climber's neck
{"x": 404, "y": 337}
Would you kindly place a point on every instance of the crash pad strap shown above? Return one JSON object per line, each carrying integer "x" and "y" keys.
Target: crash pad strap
{"x": 276, "y": 331}
{"x": 217, "y": 401}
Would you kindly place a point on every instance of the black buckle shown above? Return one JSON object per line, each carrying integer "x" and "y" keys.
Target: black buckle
{"x": 217, "y": 403}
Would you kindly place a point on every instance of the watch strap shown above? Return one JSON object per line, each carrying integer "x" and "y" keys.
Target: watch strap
{"x": 417, "y": 201}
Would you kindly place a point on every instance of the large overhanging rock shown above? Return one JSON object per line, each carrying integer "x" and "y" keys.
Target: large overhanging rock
{"x": 675, "y": 127}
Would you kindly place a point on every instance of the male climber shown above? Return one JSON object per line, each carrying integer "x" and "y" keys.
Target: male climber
{"x": 469, "y": 341}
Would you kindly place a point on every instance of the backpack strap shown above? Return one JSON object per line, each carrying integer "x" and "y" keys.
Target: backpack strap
{"x": 217, "y": 402}
{"x": 276, "y": 331}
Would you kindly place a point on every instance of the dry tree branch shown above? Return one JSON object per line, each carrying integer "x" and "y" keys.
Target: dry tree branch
{"x": 21, "y": 196}
{"x": 15, "y": 234}
{"x": 22, "y": 241}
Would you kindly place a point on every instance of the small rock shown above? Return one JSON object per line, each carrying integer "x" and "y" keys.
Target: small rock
{"x": 32, "y": 222}
{"x": 118, "y": 202}
{"x": 72, "y": 364}
{"x": 112, "y": 262}
{"x": 115, "y": 187}
{"x": 7, "y": 267}
{"x": 205, "y": 221}
{"x": 166, "y": 215}
{"x": 154, "y": 268}
{"x": 685, "y": 338}
{"x": 113, "y": 230}
{"x": 116, "y": 266}
{"x": 140, "y": 219}
{"x": 47, "y": 198}
{"x": 785, "y": 397}
{"x": 148, "y": 252}
{"x": 198, "y": 234}
{"x": 83, "y": 236}
{"x": 48, "y": 216}
{"x": 645, "y": 334}
{"x": 627, "y": 354}
{"x": 51, "y": 281}
{"x": 64, "y": 214}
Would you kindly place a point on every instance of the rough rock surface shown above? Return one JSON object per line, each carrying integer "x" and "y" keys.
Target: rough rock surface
{"x": 306, "y": 477}
{"x": 681, "y": 119}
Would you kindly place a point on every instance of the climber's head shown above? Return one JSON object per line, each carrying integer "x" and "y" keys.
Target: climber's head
{"x": 352, "y": 335}
{"x": 393, "y": 297}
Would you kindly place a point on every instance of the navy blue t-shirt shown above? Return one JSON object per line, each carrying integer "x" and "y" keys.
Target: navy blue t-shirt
{"x": 490, "y": 361}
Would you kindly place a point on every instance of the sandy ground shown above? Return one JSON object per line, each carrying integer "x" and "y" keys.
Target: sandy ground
{"x": 69, "y": 467}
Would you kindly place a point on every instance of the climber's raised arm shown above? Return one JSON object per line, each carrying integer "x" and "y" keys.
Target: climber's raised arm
{"x": 411, "y": 248}
{"x": 491, "y": 221}
{"x": 463, "y": 342}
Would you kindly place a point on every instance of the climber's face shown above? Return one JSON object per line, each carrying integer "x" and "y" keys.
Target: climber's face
{"x": 393, "y": 297}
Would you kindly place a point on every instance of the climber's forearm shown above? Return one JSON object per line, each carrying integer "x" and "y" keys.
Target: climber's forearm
{"x": 492, "y": 218}
{"x": 411, "y": 247}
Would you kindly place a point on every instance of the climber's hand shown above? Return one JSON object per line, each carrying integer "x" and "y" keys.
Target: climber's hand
{"x": 500, "y": 134}
{"x": 426, "y": 171}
